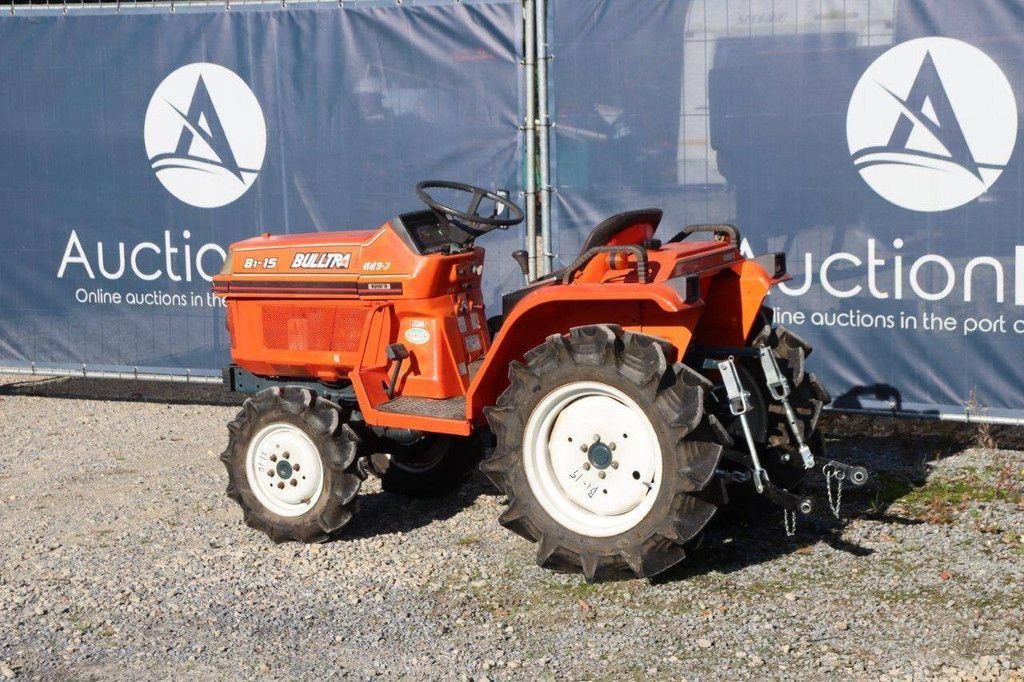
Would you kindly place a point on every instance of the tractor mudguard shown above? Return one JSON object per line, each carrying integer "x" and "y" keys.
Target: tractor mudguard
{"x": 733, "y": 298}
{"x": 664, "y": 309}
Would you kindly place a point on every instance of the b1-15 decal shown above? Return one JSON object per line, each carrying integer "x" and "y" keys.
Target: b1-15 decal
{"x": 264, "y": 263}
{"x": 321, "y": 261}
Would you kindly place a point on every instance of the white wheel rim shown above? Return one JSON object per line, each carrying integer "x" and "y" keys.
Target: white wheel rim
{"x": 566, "y": 445}
{"x": 283, "y": 469}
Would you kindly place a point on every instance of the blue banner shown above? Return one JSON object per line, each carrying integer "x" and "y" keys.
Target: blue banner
{"x": 876, "y": 143}
{"x": 134, "y": 147}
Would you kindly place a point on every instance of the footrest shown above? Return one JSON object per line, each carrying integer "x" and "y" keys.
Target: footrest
{"x": 448, "y": 408}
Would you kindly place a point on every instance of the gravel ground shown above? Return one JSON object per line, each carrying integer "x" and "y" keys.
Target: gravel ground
{"x": 123, "y": 559}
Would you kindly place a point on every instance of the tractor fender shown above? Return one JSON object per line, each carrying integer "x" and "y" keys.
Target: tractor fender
{"x": 656, "y": 309}
{"x": 733, "y": 297}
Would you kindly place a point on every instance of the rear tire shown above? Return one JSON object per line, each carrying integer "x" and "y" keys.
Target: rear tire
{"x": 603, "y": 401}
{"x": 807, "y": 397}
{"x": 431, "y": 467}
{"x": 291, "y": 465}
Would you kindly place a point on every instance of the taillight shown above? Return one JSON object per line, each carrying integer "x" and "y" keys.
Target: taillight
{"x": 692, "y": 288}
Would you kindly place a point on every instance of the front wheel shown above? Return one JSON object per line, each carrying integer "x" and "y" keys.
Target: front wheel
{"x": 604, "y": 451}
{"x": 291, "y": 465}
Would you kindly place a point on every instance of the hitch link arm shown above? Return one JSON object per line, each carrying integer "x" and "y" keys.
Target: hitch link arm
{"x": 780, "y": 496}
{"x": 778, "y": 387}
{"x": 739, "y": 405}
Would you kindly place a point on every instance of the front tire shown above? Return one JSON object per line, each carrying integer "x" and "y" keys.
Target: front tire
{"x": 604, "y": 452}
{"x": 291, "y": 465}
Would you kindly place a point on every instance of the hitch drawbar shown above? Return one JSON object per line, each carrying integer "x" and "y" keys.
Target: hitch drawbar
{"x": 788, "y": 500}
{"x": 772, "y": 492}
{"x": 856, "y": 475}
{"x": 778, "y": 387}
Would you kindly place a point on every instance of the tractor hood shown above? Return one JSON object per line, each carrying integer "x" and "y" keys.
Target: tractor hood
{"x": 323, "y": 252}
{"x": 373, "y": 263}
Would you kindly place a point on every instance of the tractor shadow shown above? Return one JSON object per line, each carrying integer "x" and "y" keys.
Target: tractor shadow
{"x": 896, "y": 452}
{"x": 122, "y": 390}
{"x": 384, "y": 513}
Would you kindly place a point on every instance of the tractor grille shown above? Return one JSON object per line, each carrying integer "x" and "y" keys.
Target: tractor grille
{"x": 312, "y": 327}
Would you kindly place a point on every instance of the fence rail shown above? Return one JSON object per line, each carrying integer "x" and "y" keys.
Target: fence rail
{"x": 27, "y": 6}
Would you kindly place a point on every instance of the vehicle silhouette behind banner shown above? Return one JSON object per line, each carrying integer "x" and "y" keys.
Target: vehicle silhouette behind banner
{"x": 877, "y": 146}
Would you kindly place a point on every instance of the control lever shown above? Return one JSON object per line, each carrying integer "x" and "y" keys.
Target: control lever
{"x": 396, "y": 353}
{"x": 739, "y": 405}
{"x": 523, "y": 259}
{"x": 778, "y": 387}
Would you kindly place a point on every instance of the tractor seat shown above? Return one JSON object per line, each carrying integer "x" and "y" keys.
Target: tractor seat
{"x": 602, "y": 234}
{"x": 611, "y": 227}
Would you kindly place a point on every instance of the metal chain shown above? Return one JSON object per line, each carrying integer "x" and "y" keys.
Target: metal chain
{"x": 836, "y": 501}
{"x": 789, "y": 522}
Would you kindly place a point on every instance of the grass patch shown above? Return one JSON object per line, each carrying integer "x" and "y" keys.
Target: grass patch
{"x": 467, "y": 540}
{"x": 938, "y": 501}
{"x": 575, "y": 590}
{"x": 79, "y": 624}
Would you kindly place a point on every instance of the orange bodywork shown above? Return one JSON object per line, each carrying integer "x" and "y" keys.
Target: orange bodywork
{"x": 325, "y": 307}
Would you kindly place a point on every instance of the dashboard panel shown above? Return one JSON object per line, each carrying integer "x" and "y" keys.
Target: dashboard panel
{"x": 425, "y": 232}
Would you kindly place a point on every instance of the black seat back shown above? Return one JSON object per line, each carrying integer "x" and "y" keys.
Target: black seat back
{"x": 602, "y": 233}
{"x": 609, "y": 227}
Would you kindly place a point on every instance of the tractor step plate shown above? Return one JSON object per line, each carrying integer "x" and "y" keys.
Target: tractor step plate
{"x": 450, "y": 408}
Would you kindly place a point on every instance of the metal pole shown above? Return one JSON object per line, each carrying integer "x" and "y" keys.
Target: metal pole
{"x": 530, "y": 129}
{"x": 964, "y": 418}
{"x": 542, "y": 136}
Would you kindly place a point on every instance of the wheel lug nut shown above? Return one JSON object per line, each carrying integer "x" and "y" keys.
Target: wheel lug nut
{"x": 586, "y": 466}
{"x": 583, "y": 448}
{"x": 273, "y": 458}
{"x": 597, "y": 438}
{"x": 615, "y": 464}
{"x": 295, "y": 482}
{"x": 270, "y": 472}
{"x": 611, "y": 446}
{"x": 286, "y": 455}
{"x": 600, "y": 474}
{"x": 295, "y": 467}
{"x": 280, "y": 484}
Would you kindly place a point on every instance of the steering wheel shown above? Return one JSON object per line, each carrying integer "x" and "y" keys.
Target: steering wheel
{"x": 470, "y": 220}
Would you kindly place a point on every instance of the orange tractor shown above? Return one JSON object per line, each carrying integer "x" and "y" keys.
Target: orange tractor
{"x": 618, "y": 400}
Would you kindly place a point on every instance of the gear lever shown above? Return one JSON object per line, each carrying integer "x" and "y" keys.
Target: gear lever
{"x": 523, "y": 259}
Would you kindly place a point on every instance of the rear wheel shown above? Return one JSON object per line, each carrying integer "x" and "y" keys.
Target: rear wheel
{"x": 291, "y": 465}
{"x": 429, "y": 467}
{"x": 807, "y": 398}
{"x": 604, "y": 452}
